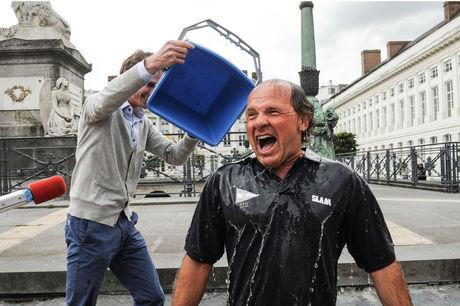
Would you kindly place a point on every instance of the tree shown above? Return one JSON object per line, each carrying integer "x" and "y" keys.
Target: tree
{"x": 345, "y": 142}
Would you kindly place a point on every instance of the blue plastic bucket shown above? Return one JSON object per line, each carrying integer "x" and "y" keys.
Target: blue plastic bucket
{"x": 203, "y": 97}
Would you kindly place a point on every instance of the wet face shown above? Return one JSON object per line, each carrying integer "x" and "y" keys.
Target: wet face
{"x": 139, "y": 99}
{"x": 274, "y": 128}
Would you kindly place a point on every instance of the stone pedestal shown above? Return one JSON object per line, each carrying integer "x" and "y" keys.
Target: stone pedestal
{"x": 29, "y": 70}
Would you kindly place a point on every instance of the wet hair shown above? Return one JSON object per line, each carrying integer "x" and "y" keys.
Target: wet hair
{"x": 300, "y": 103}
{"x": 133, "y": 59}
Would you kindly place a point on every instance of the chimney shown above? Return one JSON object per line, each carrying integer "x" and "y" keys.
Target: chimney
{"x": 369, "y": 60}
{"x": 111, "y": 77}
{"x": 451, "y": 8}
{"x": 393, "y": 47}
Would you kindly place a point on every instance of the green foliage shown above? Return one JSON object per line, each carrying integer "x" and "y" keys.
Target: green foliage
{"x": 152, "y": 162}
{"x": 345, "y": 142}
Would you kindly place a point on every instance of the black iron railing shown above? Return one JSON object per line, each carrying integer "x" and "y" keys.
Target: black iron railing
{"x": 434, "y": 166}
{"x": 23, "y": 160}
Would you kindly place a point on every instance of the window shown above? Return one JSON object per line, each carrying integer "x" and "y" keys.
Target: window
{"x": 422, "y": 106}
{"x": 448, "y": 66}
{"x": 392, "y": 114}
{"x": 435, "y": 97}
{"x": 449, "y": 98}
{"x": 412, "y": 110}
{"x": 241, "y": 140}
{"x": 377, "y": 119}
{"x": 384, "y": 113}
{"x": 349, "y": 110}
{"x": 370, "y": 102}
{"x": 434, "y": 72}
{"x": 410, "y": 143}
{"x": 353, "y": 128}
{"x": 359, "y": 125}
{"x": 382, "y": 147}
{"x": 331, "y": 90}
{"x": 214, "y": 164}
{"x": 164, "y": 122}
{"x": 421, "y": 141}
{"x": 227, "y": 140}
{"x": 401, "y": 109}
{"x": 359, "y": 107}
{"x": 364, "y": 105}
{"x": 410, "y": 83}
{"x": 376, "y": 99}
{"x": 353, "y": 109}
{"x": 390, "y": 146}
{"x": 364, "y": 123}
{"x": 384, "y": 95}
{"x": 434, "y": 140}
{"x": 421, "y": 78}
{"x": 371, "y": 122}
{"x": 401, "y": 87}
{"x": 392, "y": 92}
{"x": 447, "y": 138}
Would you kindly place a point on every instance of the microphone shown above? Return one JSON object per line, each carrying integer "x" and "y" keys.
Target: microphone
{"x": 38, "y": 192}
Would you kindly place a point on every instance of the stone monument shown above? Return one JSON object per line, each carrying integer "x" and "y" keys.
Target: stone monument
{"x": 322, "y": 142}
{"x": 41, "y": 75}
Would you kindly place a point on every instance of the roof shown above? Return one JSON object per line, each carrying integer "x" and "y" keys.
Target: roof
{"x": 406, "y": 47}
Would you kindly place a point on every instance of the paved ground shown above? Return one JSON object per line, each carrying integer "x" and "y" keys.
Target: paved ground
{"x": 445, "y": 295}
{"x": 425, "y": 225}
{"x": 32, "y": 239}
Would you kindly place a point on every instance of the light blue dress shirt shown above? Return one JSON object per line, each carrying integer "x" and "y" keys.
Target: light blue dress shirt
{"x": 133, "y": 116}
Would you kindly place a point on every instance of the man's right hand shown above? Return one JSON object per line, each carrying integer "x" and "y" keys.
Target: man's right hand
{"x": 173, "y": 52}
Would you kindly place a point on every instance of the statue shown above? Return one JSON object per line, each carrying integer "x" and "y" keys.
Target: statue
{"x": 61, "y": 118}
{"x": 323, "y": 134}
{"x": 40, "y": 13}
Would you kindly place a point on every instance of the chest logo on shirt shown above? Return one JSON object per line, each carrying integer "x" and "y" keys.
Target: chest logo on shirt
{"x": 321, "y": 200}
{"x": 244, "y": 195}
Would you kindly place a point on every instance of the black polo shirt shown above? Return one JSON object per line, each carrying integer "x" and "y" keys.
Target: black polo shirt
{"x": 283, "y": 238}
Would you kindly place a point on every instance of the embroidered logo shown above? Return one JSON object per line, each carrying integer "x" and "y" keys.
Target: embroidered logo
{"x": 244, "y": 195}
{"x": 321, "y": 200}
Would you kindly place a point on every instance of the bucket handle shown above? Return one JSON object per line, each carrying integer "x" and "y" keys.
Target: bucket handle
{"x": 232, "y": 37}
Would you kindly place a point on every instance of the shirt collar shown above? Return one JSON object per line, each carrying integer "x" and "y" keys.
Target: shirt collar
{"x": 137, "y": 111}
{"x": 313, "y": 156}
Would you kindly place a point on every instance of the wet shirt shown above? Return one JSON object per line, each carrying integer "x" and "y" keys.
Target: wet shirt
{"x": 283, "y": 239}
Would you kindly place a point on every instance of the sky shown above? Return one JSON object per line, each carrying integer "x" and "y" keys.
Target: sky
{"x": 106, "y": 32}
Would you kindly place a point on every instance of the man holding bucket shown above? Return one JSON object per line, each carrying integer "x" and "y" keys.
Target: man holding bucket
{"x": 113, "y": 134}
{"x": 284, "y": 217}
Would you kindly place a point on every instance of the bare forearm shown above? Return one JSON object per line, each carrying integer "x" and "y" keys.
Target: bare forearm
{"x": 391, "y": 286}
{"x": 190, "y": 282}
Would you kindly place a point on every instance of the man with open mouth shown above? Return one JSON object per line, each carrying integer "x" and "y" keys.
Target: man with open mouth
{"x": 284, "y": 217}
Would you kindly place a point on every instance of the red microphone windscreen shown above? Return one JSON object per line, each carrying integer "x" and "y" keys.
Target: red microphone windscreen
{"x": 47, "y": 189}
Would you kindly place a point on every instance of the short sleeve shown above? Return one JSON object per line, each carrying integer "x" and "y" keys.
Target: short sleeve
{"x": 368, "y": 239}
{"x": 206, "y": 236}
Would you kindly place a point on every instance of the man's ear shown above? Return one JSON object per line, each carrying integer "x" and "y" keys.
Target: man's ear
{"x": 304, "y": 123}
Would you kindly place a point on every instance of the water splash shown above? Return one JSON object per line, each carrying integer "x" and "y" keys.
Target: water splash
{"x": 320, "y": 242}
{"x": 256, "y": 264}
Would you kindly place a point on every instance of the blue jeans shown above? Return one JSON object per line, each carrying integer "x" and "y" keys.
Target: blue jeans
{"x": 93, "y": 247}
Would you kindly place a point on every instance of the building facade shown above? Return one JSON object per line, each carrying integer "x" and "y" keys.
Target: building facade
{"x": 411, "y": 98}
